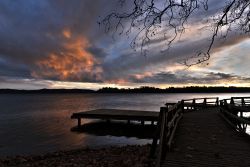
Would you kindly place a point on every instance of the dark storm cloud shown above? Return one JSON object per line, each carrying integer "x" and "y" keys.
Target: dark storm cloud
{"x": 156, "y": 58}
{"x": 213, "y": 77}
{"x": 23, "y": 30}
{"x": 171, "y": 78}
{"x": 61, "y": 40}
{"x": 220, "y": 75}
{"x": 99, "y": 53}
{"x": 13, "y": 70}
{"x": 132, "y": 62}
{"x": 20, "y": 83}
{"x": 162, "y": 77}
{"x": 31, "y": 31}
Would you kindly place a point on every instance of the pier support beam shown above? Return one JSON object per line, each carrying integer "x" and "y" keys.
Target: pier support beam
{"x": 79, "y": 122}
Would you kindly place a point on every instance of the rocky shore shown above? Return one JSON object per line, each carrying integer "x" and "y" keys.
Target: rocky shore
{"x": 125, "y": 156}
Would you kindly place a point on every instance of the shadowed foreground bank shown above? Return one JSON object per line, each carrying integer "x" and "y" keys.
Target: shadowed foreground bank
{"x": 126, "y": 156}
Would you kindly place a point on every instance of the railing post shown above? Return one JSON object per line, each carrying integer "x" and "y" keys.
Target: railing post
{"x": 194, "y": 104}
{"x": 167, "y": 105}
{"x": 79, "y": 122}
{"x": 217, "y": 101}
{"x": 242, "y": 101}
{"x": 162, "y": 142}
{"x": 182, "y": 106}
{"x": 221, "y": 103}
{"x": 232, "y": 101}
{"x": 225, "y": 103}
{"x": 157, "y": 135}
{"x": 205, "y": 102}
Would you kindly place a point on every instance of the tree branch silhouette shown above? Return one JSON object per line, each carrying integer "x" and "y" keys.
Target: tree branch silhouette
{"x": 150, "y": 19}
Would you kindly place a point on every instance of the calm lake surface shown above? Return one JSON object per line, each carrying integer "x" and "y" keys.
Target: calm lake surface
{"x": 33, "y": 124}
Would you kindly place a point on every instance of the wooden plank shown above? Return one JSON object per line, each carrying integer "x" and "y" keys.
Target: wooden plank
{"x": 162, "y": 135}
{"x": 157, "y": 134}
{"x": 204, "y": 139}
{"x": 171, "y": 122}
{"x": 118, "y": 114}
{"x": 229, "y": 122}
{"x": 240, "y": 108}
{"x": 173, "y": 133}
{"x": 169, "y": 104}
{"x": 200, "y": 98}
{"x": 241, "y": 120}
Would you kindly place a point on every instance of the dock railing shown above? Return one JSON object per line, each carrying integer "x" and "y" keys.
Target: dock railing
{"x": 233, "y": 109}
{"x": 169, "y": 118}
{"x": 197, "y": 103}
{"x": 168, "y": 121}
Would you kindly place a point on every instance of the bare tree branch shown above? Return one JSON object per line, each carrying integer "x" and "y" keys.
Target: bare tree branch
{"x": 148, "y": 17}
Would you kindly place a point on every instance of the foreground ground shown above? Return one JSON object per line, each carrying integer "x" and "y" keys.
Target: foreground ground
{"x": 126, "y": 156}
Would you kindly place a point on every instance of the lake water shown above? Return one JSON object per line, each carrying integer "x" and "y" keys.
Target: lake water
{"x": 33, "y": 124}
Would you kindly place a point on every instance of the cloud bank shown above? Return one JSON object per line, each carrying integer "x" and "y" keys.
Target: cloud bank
{"x": 46, "y": 42}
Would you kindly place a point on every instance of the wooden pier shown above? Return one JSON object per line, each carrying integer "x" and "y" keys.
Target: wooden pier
{"x": 206, "y": 135}
{"x": 115, "y": 114}
{"x": 203, "y": 139}
{"x": 204, "y": 132}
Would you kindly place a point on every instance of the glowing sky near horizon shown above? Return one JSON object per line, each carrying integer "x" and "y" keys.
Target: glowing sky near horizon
{"x": 58, "y": 44}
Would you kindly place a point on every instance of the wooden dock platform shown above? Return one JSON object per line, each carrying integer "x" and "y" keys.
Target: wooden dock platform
{"x": 205, "y": 135}
{"x": 117, "y": 114}
{"x": 203, "y": 132}
{"x": 204, "y": 139}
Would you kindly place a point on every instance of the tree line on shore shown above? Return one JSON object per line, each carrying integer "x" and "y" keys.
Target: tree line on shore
{"x": 143, "y": 89}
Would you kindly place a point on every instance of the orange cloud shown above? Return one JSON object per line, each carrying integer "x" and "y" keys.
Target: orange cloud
{"x": 119, "y": 81}
{"x": 66, "y": 33}
{"x": 73, "y": 62}
{"x": 141, "y": 76}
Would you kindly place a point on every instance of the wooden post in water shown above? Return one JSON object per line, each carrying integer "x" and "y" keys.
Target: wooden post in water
{"x": 79, "y": 122}
{"x": 205, "y": 102}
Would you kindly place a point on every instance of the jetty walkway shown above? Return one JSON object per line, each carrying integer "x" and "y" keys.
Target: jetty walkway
{"x": 203, "y": 139}
{"x": 203, "y": 132}
{"x": 117, "y": 114}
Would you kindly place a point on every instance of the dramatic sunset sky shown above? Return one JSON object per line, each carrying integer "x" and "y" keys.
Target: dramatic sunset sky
{"x": 58, "y": 44}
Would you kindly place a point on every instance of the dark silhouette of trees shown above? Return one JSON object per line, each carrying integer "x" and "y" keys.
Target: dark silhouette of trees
{"x": 143, "y": 89}
{"x": 166, "y": 19}
{"x": 192, "y": 89}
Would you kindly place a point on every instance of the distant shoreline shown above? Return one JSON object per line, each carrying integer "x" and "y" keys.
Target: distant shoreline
{"x": 134, "y": 90}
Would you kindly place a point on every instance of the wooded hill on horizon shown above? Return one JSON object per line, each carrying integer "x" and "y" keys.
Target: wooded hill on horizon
{"x": 143, "y": 89}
